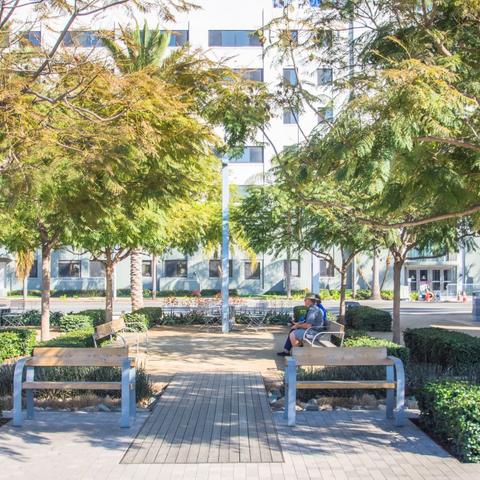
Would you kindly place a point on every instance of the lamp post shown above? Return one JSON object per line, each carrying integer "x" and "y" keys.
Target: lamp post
{"x": 225, "y": 247}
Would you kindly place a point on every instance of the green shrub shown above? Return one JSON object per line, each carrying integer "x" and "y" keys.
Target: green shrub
{"x": 71, "y": 322}
{"x": 211, "y": 292}
{"x": 369, "y": 319}
{"x": 387, "y": 294}
{"x": 362, "y": 339}
{"x": 363, "y": 294}
{"x": 136, "y": 321}
{"x": 414, "y": 296}
{"x": 143, "y": 383}
{"x": 445, "y": 348}
{"x": 16, "y": 342}
{"x": 153, "y": 314}
{"x": 76, "y": 339}
{"x": 33, "y": 318}
{"x": 98, "y": 315}
{"x": 450, "y": 410}
{"x": 298, "y": 312}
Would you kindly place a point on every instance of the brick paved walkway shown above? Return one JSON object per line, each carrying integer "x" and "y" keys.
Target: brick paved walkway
{"x": 335, "y": 445}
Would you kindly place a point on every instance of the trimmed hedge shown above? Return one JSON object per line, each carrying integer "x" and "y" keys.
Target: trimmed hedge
{"x": 71, "y": 322}
{"x": 135, "y": 320}
{"x": 369, "y": 319}
{"x": 153, "y": 314}
{"x": 442, "y": 347}
{"x": 298, "y": 312}
{"x": 16, "y": 342}
{"x": 450, "y": 410}
{"x": 355, "y": 338}
{"x": 98, "y": 315}
{"x": 76, "y": 339}
{"x": 33, "y": 318}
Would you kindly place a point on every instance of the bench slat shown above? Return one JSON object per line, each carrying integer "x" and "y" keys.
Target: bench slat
{"x": 344, "y": 385}
{"x": 78, "y": 357}
{"x": 72, "y": 385}
{"x": 341, "y": 356}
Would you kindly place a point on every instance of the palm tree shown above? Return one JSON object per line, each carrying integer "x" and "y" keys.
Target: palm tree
{"x": 143, "y": 48}
{"x": 24, "y": 260}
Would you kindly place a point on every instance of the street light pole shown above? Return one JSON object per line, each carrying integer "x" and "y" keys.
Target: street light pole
{"x": 225, "y": 247}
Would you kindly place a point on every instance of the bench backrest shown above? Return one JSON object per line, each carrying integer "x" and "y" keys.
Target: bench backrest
{"x": 334, "y": 326}
{"x": 78, "y": 357}
{"x": 341, "y": 356}
{"x": 109, "y": 328}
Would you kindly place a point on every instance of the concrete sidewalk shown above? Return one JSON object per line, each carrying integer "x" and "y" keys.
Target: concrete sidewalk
{"x": 347, "y": 445}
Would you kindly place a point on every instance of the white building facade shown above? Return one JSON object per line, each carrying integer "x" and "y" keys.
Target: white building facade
{"x": 225, "y": 29}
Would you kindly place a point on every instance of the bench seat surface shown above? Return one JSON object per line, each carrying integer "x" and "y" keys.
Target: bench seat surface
{"x": 71, "y": 385}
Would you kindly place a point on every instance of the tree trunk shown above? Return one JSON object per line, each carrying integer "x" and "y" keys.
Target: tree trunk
{"x": 343, "y": 288}
{"x": 46, "y": 274}
{"x": 114, "y": 282}
{"x": 376, "y": 293}
{"x": 136, "y": 281}
{"x": 154, "y": 276}
{"x": 109, "y": 272}
{"x": 396, "y": 327}
{"x": 288, "y": 275}
{"x": 25, "y": 293}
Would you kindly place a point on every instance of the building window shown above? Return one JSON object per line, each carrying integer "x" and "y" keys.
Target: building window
{"x": 326, "y": 269}
{"x": 447, "y": 278}
{"x": 294, "y": 267}
{"x": 243, "y": 190}
{"x": 290, "y": 76}
{"x": 324, "y": 76}
{"x": 281, "y": 3}
{"x": 97, "y": 268}
{"x": 412, "y": 276}
{"x": 178, "y": 38}
{"x": 315, "y": 3}
{"x": 249, "y": 155}
{"x": 325, "y": 115}
{"x": 252, "y": 74}
{"x": 215, "y": 267}
{"x": 34, "y": 270}
{"x": 436, "y": 280}
{"x": 78, "y": 38}
{"x": 289, "y": 37}
{"x": 146, "y": 268}
{"x": 233, "y": 38}
{"x": 32, "y": 38}
{"x": 290, "y": 117}
{"x": 323, "y": 38}
{"x": 176, "y": 268}
{"x": 69, "y": 268}
{"x": 250, "y": 273}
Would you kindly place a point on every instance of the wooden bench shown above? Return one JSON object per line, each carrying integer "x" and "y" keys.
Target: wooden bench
{"x": 74, "y": 357}
{"x": 116, "y": 328}
{"x": 323, "y": 338}
{"x": 394, "y": 382}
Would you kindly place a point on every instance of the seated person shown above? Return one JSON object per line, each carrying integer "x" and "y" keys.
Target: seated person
{"x": 313, "y": 318}
{"x": 321, "y": 307}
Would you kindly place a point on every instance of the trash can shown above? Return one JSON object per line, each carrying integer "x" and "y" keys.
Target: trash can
{"x": 476, "y": 306}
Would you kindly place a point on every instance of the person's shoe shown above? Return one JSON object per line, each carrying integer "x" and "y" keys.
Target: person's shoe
{"x": 283, "y": 354}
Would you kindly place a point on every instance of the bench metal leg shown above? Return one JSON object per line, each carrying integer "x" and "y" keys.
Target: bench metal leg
{"x": 400, "y": 406}
{"x": 30, "y": 377}
{"x": 390, "y": 392}
{"x": 291, "y": 393}
{"x": 133, "y": 396}
{"x": 17, "y": 393}
{"x": 125, "y": 419}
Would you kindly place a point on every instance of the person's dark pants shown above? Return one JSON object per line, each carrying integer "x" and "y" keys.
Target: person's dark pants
{"x": 288, "y": 344}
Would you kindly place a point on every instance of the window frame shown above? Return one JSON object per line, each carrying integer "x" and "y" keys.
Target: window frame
{"x": 321, "y": 75}
{"x": 289, "y": 111}
{"x": 65, "y": 262}
{"x": 34, "y": 269}
{"x": 147, "y": 263}
{"x": 70, "y": 43}
{"x": 242, "y": 71}
{"x": 286, "y": 75}
{"x": 251, "y": 34}
{"x": 177, "y": 261}
{"x": 210, "y": 270}
{"x": 329, "y": 270}
{"x": 90, "y": 268}
{"x": 250, "y": 149}
{"x": 285, "y": 265}
{"x": 251, "y": 276}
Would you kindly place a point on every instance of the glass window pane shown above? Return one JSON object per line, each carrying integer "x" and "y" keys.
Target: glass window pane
{"x": 326, "y": 269}
{"x": 215, "y": 268}
{"x": 324, "y": 76}
{"x": 176, "y": 268}
{"x": 146, "y": 268}
{"x": 252, "y": 274}
{"x": 289, "y": 116}
{"x": 34, "y": 270}
{"x": 97, "y": 268}
{"x": 69, "y": 268}
{"x": 233, "y": 38}
{"x": 290, "y": 76}
{"x": 32, "y": 38}
{"x": 252, "y": 74}
{"x": 325, "y": 115}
